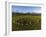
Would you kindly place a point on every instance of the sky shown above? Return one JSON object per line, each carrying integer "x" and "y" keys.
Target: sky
{"x": 25, "y": 9}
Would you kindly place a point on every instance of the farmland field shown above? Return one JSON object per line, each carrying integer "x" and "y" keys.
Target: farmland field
{"x": 26, "y": 22}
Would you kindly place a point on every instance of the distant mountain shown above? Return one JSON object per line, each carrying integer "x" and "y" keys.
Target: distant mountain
{"x": 28, "y": 13}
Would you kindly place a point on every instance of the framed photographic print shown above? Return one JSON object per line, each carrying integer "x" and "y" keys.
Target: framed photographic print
{"x": 23, "y": 16}
{"x": 26, "y": 17}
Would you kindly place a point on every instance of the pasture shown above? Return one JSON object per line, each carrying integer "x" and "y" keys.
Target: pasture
{"x": 26, "y": 22}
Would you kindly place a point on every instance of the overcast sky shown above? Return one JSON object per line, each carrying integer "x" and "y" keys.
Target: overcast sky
{"x": 25, "y": 9}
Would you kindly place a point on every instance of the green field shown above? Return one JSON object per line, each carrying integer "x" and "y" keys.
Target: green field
{"x": 26, "y": 22}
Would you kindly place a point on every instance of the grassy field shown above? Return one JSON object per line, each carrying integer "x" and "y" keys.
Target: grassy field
{"x": 26, "y": 22}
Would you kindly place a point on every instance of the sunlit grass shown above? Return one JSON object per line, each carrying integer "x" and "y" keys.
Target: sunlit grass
{"x": 26, "y": 22}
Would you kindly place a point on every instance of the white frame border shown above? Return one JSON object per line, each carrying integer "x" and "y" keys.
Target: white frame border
{"x": 9, "y": 19}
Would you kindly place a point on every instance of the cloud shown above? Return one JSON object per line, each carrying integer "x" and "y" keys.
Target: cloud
{"x": 26, "y": 9}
